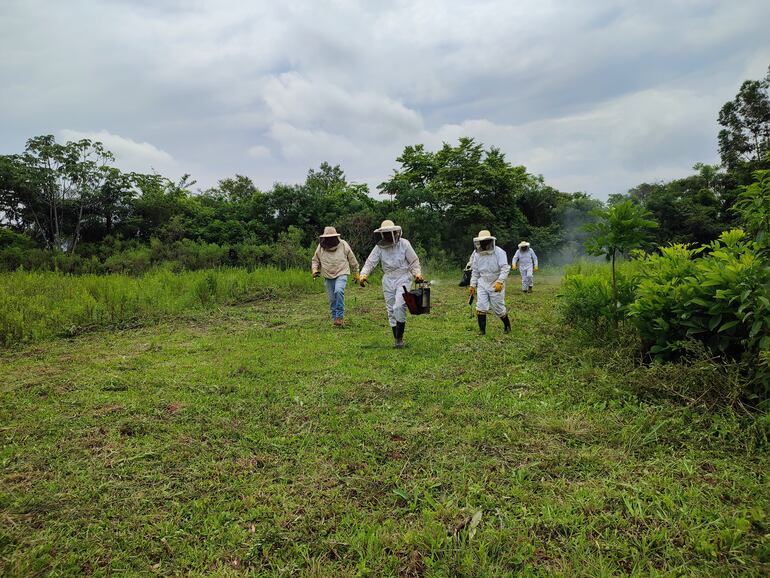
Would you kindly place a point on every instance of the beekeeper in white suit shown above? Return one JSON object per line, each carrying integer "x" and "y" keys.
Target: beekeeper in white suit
{"x": 400, "y": 266}
{"x": 490, "y": 270}
{"x": 526, "y": 261}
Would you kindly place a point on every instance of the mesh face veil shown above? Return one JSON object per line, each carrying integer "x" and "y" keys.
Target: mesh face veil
{"x": 485, "y": 246}
{"x": 330, "y": 243}
{"x": 387, "y": 238}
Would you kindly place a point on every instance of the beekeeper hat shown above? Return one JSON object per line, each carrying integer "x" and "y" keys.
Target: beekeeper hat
{"x": 330, "y": 232}
{"x": 484, "y": 235}
{"x": 523, "y": 244}
{"x": 387, "y": 226}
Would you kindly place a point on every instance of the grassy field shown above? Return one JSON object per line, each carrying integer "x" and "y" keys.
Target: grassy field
{"x": 255, "y": 439}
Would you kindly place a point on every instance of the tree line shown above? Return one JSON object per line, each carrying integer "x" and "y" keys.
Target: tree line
{"x": 66, "y": 204}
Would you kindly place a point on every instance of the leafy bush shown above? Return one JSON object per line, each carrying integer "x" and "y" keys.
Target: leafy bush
{"x": 586, "y": 301}
{"x": 721, "y": 299}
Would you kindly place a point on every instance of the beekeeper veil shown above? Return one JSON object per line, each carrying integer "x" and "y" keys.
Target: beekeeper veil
{"x": 330, "y": 239}
{"x": 484, "y": 243}
{"x": 388, "y": 234}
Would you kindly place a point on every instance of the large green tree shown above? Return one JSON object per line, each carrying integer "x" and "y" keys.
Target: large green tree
{"x": 745, "y": 136}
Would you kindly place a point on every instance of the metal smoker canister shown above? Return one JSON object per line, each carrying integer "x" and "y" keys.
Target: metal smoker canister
{"x": 425, "y": 298}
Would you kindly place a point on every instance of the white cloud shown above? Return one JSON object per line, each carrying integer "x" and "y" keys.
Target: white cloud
{"x": 259, "y": 152}
{"x": 129, "y": 154}
{"x": 594, "y": 95}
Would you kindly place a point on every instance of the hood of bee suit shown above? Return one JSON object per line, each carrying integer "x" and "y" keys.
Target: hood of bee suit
{"x": 387, "y": 234}
{"x": 484, "y": 243}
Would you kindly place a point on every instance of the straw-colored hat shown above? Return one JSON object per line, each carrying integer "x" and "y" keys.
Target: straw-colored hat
{"x": 484, "y": 235}
{"x": 523, "y": 244}
{"x": 330, "y": 232}
{"x": 387, "y": 226}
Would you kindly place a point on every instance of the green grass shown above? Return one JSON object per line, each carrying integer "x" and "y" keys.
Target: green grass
{"x": 257, "y": 440}
{"x": 38, "y": 305}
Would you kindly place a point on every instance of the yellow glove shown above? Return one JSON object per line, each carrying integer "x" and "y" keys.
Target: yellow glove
{"x": 498, "y": 286}
{"x": 537, "y": 268}
{"x": 514, "y": 266}
{"x": 471, "y": 290}
{"x": 315, "y": 274}
{"x": 363, "y": 280}
{"x": 355, "y": 277}
{"x": 419, "y": 279}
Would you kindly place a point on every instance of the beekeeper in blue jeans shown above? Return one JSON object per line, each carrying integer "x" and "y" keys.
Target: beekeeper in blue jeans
{"x": 335, "y": 260}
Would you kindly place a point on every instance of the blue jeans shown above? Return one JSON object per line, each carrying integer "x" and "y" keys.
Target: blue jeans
{"x": 335, "y": 289}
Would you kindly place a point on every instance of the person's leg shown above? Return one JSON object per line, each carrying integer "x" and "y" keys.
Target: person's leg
{"x": 498, "y": 308}
{"x": 399, "y": 312}
{"x": 329, "y": 283}
{"x": 481, "y": 317}
{"x": 339, "y": 296}
{"x": 390, "y": 299}
{"x": 482, "y": 307}
{"x": 523, "y": 271}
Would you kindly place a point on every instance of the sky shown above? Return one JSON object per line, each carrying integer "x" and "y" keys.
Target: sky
{"x": 597, "y": 96}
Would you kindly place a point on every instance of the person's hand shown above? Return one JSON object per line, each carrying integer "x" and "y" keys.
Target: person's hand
{"x": 355, "y": 277}
{"x": 471, "y": 290}
{"x": 363, "y": 280}
{"x": 537, "y": 268}
{"x": 514, "y": 266}
{"x": 315, "y": 274}
{"x": 419, "y": 279}
{"x": 498, "y": 286}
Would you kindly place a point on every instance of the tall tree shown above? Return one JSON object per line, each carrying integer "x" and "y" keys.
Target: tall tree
{"x": 745, "y": 136}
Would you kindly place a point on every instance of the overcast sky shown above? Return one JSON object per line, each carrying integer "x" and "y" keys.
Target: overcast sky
{"x": 595, "y": 95}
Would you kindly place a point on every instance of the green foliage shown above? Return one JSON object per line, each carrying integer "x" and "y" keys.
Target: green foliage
{"x": 745, "y": 136}
{"x": 449, "y": 195}
{"x": 38, "y": 305}
{"x": 586, "y": 299}
{"x": 721, "y": 298}
{"x": 753, "y": 207}
{"x": 619, "y": 228}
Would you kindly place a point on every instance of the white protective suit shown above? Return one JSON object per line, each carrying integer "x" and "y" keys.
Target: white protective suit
{"x": 489, "y": 267}
{"x": 400, "y": 265}
{"x": 527, "y": 261}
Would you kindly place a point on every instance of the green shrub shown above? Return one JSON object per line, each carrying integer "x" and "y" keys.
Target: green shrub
{"x": 585, "y": 298}
{"x": 720, "y": 298}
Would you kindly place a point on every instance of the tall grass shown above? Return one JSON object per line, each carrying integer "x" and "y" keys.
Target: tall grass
{"x": 36, "y": 305}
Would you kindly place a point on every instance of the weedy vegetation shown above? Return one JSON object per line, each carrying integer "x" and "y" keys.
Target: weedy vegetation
{"x": 254, "y": 439}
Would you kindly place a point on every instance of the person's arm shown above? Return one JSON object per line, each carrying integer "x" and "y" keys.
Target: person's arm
{"x": 352, "y": 261}
{"x": 515, "y": 259}
{"x": 315, "y": 264}
{"x": 534, "y": 257}
{"x": 505, "y": 268}
{"x": 413, "y": 260}
{"x": 372, "y": 261}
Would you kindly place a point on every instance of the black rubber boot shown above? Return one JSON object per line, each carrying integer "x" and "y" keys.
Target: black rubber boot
{"x": 400, "y": 327}
{"x": 482, "y": 324}
{"x": 506, "y": 324}
{"x": 395, "y": 332}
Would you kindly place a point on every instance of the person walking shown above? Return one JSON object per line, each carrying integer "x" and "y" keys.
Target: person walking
{"x": 400, "y": 266}
{"x": 525, "y": 260}
{"x": 334, "y": 260}
{"x": 489, "y": 271}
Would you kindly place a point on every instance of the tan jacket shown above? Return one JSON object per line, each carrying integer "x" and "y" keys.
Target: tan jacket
{"x": 332, "y": 264}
